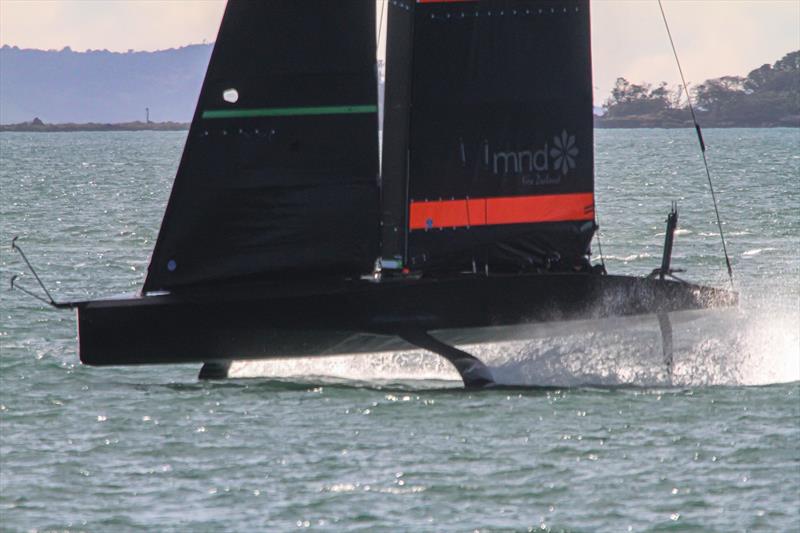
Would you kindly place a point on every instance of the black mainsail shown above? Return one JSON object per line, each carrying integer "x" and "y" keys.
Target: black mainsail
{"x": 279, "y": 173}
{"x": 483, "y": 217}
{"x": 488, "y": 146}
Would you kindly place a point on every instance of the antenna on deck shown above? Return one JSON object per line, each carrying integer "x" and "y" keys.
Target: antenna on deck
{"x": 702, "y": 144}
{"x": 669, "y": 239}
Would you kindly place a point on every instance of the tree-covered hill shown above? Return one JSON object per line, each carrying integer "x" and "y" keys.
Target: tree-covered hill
{"x": 104, "y": 87}
{"x": 768, "y": 96}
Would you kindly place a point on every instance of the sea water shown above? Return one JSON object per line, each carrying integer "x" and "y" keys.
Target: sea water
{"x": 597, "y": 437}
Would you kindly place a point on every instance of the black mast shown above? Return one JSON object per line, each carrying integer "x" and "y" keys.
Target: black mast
{"x": 397, "y": 122}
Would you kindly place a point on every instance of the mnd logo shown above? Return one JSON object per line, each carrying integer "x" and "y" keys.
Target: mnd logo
{"x": 564, "y": 152}
{"x": 543, "y": 165}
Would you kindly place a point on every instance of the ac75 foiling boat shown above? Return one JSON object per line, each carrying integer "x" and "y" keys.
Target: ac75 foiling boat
{"x": 285, "y": 237}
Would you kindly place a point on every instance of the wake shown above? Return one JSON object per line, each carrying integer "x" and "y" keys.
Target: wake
{"x": 758, "y": 346}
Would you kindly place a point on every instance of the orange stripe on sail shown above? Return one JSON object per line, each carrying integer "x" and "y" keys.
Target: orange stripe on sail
{"x": 502, "y": 210}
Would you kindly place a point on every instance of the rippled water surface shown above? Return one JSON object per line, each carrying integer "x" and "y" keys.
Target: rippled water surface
{"x": 605, "y": 440}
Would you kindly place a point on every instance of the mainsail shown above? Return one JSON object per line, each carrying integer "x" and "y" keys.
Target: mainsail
{"x": 488, "y": 135}
{"x": 279, "y": 173}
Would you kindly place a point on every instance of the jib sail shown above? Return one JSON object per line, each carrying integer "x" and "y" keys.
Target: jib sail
{"x": 488, "y": 145}
{"x": 279, "y": 173}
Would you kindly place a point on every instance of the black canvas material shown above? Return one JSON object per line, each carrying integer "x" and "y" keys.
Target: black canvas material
{"x": 289, "y": 186}
{"x": 497, "y": 91}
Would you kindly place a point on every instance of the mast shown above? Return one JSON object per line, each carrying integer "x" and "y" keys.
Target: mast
{"x": 397, "y": 121}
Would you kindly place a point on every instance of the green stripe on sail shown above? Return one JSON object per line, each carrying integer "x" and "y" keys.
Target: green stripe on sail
{"x": 290, "y": 111}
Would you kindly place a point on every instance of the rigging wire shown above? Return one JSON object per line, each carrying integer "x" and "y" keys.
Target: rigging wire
{"x": 702, "y": 144}
{"x": 597, "y": 235}
{"x": 381, "y": 111}
{"x": 380, "y": 22}
{"x": 33, "y": 271}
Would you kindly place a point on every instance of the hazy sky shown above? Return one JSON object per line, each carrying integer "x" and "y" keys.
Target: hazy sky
{"x": 714, "y": 37}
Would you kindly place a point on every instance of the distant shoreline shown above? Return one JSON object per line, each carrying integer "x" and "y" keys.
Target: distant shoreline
{"x": 599, "y": 123}
{"x": 602, "y": 123}
{"x": 38, "y": 126}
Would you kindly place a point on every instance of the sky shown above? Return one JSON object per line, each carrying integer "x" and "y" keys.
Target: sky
{"x": 714, "y": 37}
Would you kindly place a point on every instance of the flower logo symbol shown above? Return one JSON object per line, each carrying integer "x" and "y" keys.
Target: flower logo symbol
{"x": 564, "y": 152}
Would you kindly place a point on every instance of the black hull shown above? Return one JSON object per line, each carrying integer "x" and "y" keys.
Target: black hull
{"x": 269, "y": 321}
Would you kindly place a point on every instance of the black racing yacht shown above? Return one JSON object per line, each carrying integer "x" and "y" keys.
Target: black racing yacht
{"x": 292, "y": 230}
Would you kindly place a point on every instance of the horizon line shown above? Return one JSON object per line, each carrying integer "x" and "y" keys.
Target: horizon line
{"x": 68, "y": 48}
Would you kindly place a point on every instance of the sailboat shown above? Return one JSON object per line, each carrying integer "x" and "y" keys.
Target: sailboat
{"x": 292, "y": 231}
